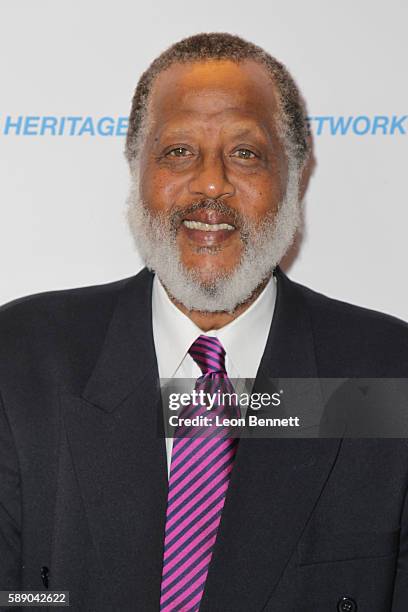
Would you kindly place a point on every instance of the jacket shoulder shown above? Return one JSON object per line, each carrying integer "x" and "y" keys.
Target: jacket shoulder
{"x": 56, "y": 332}
{"x": 356, "y": 338}
{"x": 46, "y": 307}
{"x": 349, "y": 312}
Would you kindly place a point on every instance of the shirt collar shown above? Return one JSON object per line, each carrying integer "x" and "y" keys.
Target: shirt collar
{"x": 174, "y": 332}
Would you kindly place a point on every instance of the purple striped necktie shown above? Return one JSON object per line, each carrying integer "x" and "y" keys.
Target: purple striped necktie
{"x": 200, "y": 471}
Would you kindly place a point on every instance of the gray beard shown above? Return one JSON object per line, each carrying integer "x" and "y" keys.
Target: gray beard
{"x": 264, "y": 246}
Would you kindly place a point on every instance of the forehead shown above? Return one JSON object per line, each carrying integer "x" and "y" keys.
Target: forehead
{"x": 218, "y": 90}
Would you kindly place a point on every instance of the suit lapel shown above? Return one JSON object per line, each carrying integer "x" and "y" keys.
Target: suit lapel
{"x": 119, "y": 458}
{"x": 275, "y": 483}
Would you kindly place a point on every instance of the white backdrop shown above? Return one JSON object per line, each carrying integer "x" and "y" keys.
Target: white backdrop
{"x": 63, "y": 196}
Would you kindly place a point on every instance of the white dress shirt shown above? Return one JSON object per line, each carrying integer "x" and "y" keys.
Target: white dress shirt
{"x": 244, "y": 338}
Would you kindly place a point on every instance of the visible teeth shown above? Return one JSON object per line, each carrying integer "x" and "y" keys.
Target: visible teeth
{"x": 206, "y": 227}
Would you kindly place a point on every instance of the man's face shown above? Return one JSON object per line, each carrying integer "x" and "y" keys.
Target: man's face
{"x": 212, "y": 135}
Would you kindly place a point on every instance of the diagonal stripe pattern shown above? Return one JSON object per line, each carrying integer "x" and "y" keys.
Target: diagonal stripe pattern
{"x": 200, "y": 471}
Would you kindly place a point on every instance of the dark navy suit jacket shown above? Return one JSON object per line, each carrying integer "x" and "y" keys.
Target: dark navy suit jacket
{"x": 83, "y": 480}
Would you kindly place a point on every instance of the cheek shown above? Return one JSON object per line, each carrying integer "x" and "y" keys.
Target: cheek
{"x": 158, "y": 189}
{"x": 261, "y": 196}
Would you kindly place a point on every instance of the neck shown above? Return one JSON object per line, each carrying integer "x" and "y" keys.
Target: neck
{"x": 216, "y": 320}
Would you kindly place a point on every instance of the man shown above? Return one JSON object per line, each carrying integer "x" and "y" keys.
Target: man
{"x": 93, "y": 499}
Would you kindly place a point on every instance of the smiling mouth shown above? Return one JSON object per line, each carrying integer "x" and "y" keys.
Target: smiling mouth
{"x": 208, "y": 227}
{"x": 212, "y": 225}
{"x": 209, "y": 232}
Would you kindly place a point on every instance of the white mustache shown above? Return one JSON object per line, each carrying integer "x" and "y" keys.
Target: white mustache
{"x": 176, "y": 216}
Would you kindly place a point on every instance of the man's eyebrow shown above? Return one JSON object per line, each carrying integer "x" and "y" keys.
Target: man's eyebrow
{"x": 171, "y": 132}
{"x": 248, "y": 132}
{"x": 174, "y": 132}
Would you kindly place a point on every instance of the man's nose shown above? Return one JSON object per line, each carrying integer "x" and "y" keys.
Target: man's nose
{"x": 210, "y": 179}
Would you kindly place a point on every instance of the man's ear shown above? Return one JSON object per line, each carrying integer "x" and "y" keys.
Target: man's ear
{"x": 308, "y": 168}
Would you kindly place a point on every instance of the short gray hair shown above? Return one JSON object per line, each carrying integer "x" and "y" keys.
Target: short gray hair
{"x": 292, "y": 122}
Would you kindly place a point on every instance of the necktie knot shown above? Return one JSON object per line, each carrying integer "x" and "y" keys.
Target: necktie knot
{"x": 209, "y": 355}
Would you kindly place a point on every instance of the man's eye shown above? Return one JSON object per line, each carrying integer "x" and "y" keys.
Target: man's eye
{"x": 178, "y": 152}
{"x": 244, "y": 154}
